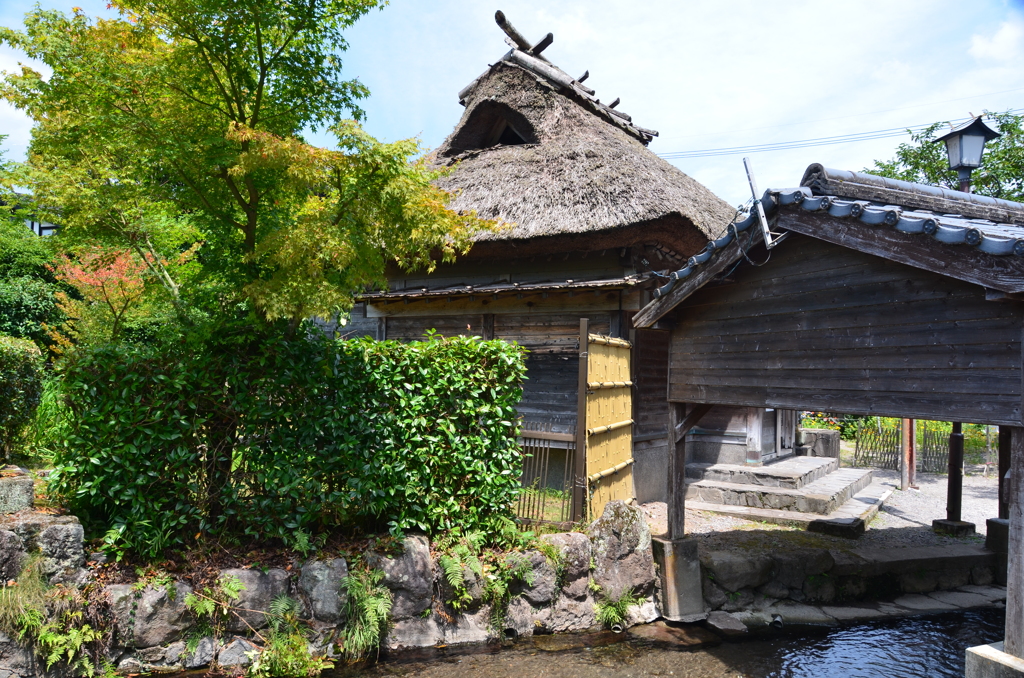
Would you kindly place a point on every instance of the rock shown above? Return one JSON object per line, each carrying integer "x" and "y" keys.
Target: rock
{"x": 472, "y": 582}
{"x": 734, "y": 571}
{"x": 61, "y": 546}
{"x": 644, "y": 613}
{"x": 542, "y": 589}
{"x": 12, "y": 555}
{"x": 726, "y": 624}
{"x": 981, "y": 576}
{"x": 16, "y": 494}
{"x": 621, "y": 547}
{"x": 236, "y": 653}
{"x": 714, "y": 596}
{"x": 921, "y": 603}
{"x": 409, "y": 633}
{"x": 774, "y": 589}
{"x": 569, "y": 614}
{"x": 161, "y": 617}
{"x": 130, "y": 665}
{"x": 409, "y": 576}
{"x": 795, "y": 613}
{"x": 16, "y": 659}
{"x": 30, "y": 524}
{"x": 468, "y": 628}
{"x": 519, "y": 621}
{"x": 678, "y": 636}
{"x": 820, "y": 588}
{"x": 320, "y": 582}
{"x": 173, "y": 652}
{"x": 921, "y": 581}
{"x": 151, "y": 655}
{"x": 203, "y": 656}
{"x": 792, "y": 566}
{"x": 739, "y": 600}
{"x": 254, "y": 601}
{"x": 575, "y": 550}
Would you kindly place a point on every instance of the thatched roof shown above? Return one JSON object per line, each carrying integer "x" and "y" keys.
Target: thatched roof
{"x": 536, "y": 149}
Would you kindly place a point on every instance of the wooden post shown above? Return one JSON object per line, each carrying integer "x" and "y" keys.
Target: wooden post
{"x": 955, "y": 477}
{"x": 1004, "y": 468}
{"x": 912, "y": 454}
{"x": 1014, "y": 644}
{"x": 905, "y": 452}
{"x": 579, "y": 486}
{"x": 676, "y": 473}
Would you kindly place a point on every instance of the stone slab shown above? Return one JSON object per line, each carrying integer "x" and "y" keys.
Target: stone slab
{"x": 961, "y": 599}
{"x": 799, "y": 614}
{"x": 679, "y": 568}
{"x": 992, "y": 593}
{"x": 989, "y": 661}
{"x": 953, "y": 528}
{"x": 921, "y": 603}
{"x": 680, "y": 636}
{"x": 845, "y": 614}
{"x": 726, "y": 623}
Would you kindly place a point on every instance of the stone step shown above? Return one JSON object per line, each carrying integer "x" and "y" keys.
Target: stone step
{"x": 792, "y": 473}
{"x": 821, "y": 496}
{"x": 849, "y": 520}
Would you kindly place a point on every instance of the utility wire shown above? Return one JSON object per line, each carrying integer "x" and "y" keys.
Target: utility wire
{"x": 804, "y": 143}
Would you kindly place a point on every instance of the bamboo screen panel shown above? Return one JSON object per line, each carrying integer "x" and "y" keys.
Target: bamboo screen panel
{"x": 609, "y": 411}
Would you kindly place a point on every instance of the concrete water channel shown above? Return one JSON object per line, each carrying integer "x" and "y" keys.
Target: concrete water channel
{"x": 912, "y": 647}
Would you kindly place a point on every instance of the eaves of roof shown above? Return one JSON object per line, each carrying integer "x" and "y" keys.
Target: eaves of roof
{"x": 625, "y": 282}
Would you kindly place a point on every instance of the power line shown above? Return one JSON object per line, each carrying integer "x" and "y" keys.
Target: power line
{"x": 804, "y": 143}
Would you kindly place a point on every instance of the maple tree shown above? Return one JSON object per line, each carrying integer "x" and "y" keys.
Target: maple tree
{"x": 110, "y": 283}
{"x": 180, "y": 123}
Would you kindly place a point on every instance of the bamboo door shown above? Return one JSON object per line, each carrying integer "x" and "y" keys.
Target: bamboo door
{"x": 606, "y": 424}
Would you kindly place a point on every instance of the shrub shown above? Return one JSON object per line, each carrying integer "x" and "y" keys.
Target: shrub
{"x": 21, "y": 387}
{"x": 27, "y": 305}
{"x": 269, "y": 438}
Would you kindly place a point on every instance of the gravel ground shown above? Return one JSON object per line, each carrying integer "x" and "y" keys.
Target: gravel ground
{"x": 905, "y": 519}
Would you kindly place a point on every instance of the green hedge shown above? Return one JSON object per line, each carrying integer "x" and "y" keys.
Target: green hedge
{"x": 266, "y": 439}
{"x": 21, "y": 386}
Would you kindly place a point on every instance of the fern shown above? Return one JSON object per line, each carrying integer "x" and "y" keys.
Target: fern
{"x": 611, "y": 612}
{"x": 286, "y": 651}
{"x": 368, "y": 607}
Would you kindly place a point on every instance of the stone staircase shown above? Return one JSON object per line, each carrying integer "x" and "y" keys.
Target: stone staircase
{"x": 812, "y": 492}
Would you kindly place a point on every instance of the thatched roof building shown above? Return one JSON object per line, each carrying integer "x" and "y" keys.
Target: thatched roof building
{"x": 537, "y": 149}
{"x": 593, "y": 219}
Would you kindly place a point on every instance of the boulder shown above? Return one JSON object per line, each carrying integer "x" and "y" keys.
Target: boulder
{"x": 568, "y": 614}
{"x": 261, "y": 588}
{"x": 714, "y": 596}
{"x": 320, "y": 583}
{"x": 542, "y": 588}
{"x": 409, "y": 633}
{"x": 61, "y": 546}
{"x": 12, "y": 555}
{"x": 621, "y": 548}
{"x": 733, "y": 571}
{"x": 408, "y": 576}
{"x": 161, "y": 616}
{"x": 472, "y": 582}
{"x": 203, "y": 655}
{"x": 236, "y": 653}
{"x": 16, "y": 493}
{"x": 16, "y": 660}
{"x": 149, "y": 617}
{"x": 575, "y": 550}
{"x": 468, "y": 628}
{"x": 792, "y": 566}
{"x": 726, "y": 624}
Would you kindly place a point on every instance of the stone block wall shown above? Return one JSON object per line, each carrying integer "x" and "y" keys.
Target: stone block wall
{"x": 734, "y": 580}
{"x": 817, "y": 442}
{"x": 151, "y": 624}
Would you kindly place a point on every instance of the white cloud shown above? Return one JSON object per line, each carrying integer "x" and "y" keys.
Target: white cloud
{"x": 1006, "y": 44}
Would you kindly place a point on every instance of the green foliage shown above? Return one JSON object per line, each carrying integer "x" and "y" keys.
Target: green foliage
{"x": 367, "y": 607}
{"x": 23, "y": 603}
{"x": 285, "y": 651}
{"x": 211, "y": 609}
{"x": 279, "y": 435}
{"x": 179, "y": 124}
{"x": 27, "y": 306}
{"x": 846, "y": 424}
{"x": 21, "y": 388}
{"x": 611, "y": 612}
{"x": 1001, "y": 174}
{"x": 501, "y": 573}
{"x": 49, "y": 426}
{"x": 64, "y": 640}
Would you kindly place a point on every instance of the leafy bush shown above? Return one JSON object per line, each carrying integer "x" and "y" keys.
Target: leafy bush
{"x": 268, "y": 438}
{"x": 21, "y": 386}
{"x": 26, "y": 306}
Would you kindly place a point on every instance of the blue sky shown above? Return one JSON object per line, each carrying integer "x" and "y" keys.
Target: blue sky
{"x": 706, "y": 74}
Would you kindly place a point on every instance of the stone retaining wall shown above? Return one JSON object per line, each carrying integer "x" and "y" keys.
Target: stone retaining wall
{"x": 152, "y": 624}
{"x": 735, "y": 580}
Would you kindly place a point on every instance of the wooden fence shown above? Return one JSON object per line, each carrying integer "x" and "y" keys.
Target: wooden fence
{"x": 549, "y": 459}
{"x": 878, "y": 445}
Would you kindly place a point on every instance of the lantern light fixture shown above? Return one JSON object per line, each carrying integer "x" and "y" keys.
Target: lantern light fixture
{"x": 965, "y": 144}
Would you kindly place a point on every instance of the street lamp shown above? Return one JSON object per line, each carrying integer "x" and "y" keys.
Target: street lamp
{"x": 964, "y": 147}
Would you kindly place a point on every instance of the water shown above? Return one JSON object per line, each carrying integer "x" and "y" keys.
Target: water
{"x": 910, "y": 648}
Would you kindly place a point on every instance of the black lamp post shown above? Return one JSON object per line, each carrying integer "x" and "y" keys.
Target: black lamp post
{"x": 965, "y": 145}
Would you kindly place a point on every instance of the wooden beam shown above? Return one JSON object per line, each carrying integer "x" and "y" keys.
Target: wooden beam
{"x": 969, "y": 264}
{"x": 510, "y": 30}
{"x": 1014, "y": 644}
{"x": 579, "y": 486}
{"x": 1004, "y": 468}
{"x": 704, "y": 273}
{"x": 678, "y": 427}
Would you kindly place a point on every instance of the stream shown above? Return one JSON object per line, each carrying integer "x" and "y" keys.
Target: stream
{"x": 908, "y": 647}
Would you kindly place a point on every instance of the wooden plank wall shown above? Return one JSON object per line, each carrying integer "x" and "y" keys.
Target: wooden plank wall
{"x": 650, "y": 412}
{"x": 823, "y": 327}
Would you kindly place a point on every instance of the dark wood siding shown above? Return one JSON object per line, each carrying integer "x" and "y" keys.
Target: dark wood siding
{"x": 650, "y": 412}
{"x": 827, "y": 328}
